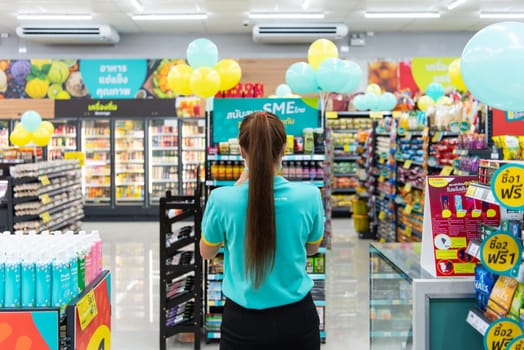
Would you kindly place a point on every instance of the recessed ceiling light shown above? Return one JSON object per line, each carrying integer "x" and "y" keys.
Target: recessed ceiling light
{"x": 54, "y": 17}
{"x": 282, "y": 15}
{"x": 455, "y": 4}
{"x": 502, "y": 15}
{"x": 137, "y": 5}
{"x": 167, "y": 17}
{"x": 402, "y": 15}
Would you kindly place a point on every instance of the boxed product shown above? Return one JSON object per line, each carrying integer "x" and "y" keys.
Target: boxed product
{"x": 501, "y": 298}
{"x": 484, "y": 282}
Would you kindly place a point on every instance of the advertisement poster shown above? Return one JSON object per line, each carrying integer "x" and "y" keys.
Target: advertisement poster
{"x": 405, "y": 78}
{"x": 384, "y": 74}
{"x": 66, "y": 79}
{"x": 427, "y": 70}
{"x": 29, "y": 329}
{"x": 91, "y": 315}
{"x": 450, "y": 221}
{"x": 296, "y": 114}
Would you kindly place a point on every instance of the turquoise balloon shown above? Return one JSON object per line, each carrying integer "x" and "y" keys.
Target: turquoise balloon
{"x": 492, "y": 66}
{"x": 373, "y": 102}
{"x": 360, "y": 103}
{"x": 31, "y": 120}
{"x": 300, "y": 77}
{"x": 355, "y": 76}
{"x": 332, "y": 75}
{"x": 387, "y": 101}
{"x": 202, "y": 53}
{"x": 283, "y": 90}
{"x": 435, "y": 91}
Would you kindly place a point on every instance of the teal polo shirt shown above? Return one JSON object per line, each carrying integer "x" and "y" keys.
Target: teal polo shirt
{"x": 299, "y": 220}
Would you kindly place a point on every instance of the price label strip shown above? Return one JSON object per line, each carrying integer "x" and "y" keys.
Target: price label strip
{"x": 45, "y": 217}
{"x": 447, "y": 170}
{"x": 45, "y": 199}
{"x": 44, "y": 180}
{"x": 508, "y": 186}
{"x": 500, "y": 333}
{"x": 87, "y": 310}
{"x": 407, "y": 164}
{"x": 501, "y": 253}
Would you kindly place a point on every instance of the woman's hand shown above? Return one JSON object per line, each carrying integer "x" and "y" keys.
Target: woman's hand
{"x": 243, "y": 177}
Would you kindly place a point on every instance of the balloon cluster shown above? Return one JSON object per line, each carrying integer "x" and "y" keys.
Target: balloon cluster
{"x": 434, "y": 95}
{"x": 32, "y": 128}
{"x": 375, "y": 100}
{"x": 491, "y": 65}
{"x": 284, "y": 91}
{"x": 325, "y": 72}
{"x": 205, "y": 75}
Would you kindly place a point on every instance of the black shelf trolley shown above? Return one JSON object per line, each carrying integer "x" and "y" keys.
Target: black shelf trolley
{"x": 180, "y": 266}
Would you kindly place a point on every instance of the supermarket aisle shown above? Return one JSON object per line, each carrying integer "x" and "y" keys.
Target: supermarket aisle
{"x": 131, "y": 253}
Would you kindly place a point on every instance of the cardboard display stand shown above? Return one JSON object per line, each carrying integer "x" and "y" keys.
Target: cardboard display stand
{"x": 451, "y": 221}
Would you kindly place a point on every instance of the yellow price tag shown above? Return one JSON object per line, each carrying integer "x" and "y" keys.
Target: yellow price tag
{"x": 408, "y": 231}
{"x": 86, "y": 309}
{"x": 408, "y": 209}
{"x": 381, "y": 178}
{"x": 471, "y": 191}
{"x": 44, "y": 180}
{"x": 381, "y": 160}
{"x": 45, "y": 217}
{"x": 508, "y": 186}
{"x": 436, "y": 137}
{"x": 408, "y": 187}
{"x": 407, "y": 164}
{"x": 376, "y": 115}
{"x": 500, "y": 333}
{"x": 80, "y": 156}
{"x": 447, "y": 170}
{"x": 425, "y": 132}
{"x": 346, "y": 148}
{"x": 45, "y": 199}
{"x": 382, "y": 215}
{"x": 331, "y": 115}
{"x": 501, "y": 253}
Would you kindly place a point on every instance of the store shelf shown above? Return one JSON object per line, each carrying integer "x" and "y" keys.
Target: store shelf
{"x": 165, "y": 164}
{"x": 90, "y": 150}
{"x": 164, "y": 180}
{"x": 232, "y": 182}
{"x": 345, "y": 130}
{"x": 130, "y": 161}
{"x": 346, "y": 158}
{"x": 91, "y": 137}
{"x": 193, "y": 149}
{"x": 215, "y": 276}
{"x": 165, "y": 134}
{"x": 168, "y": 148}
{"x": 345, "y": 174}
{"x": 92, "y": 162}
{"x": 71, "y": 148}
{"x": 97, "y": 185}
{"x": 476, "y": 319}
{"x": 201, "y": 136}
{"x": 481, "y": 192}
{"x": 136, "y": 183}
{"x": 343, "y": 191}
{"x": 56, "y": 136}
{"x": 287, "y": 157}
{"x": 317, "y": 276}
{"x": 216, "y": 302}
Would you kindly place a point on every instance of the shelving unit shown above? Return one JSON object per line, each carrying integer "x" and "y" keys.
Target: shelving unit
{"x": 96, "y": 144}
{"x": 180, "y": 267}
{"x": 46, "y": 199}
{"x": 65, "y": 138}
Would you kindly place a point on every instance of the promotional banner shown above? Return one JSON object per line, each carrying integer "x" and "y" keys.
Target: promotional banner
{"x": 405, "y": 78}
{"x": 296, "y": 114}
{"x": 116, "y": 108}
{"x": 29, "y": 329}
{"x": 89, "y": 317}
{"x": 450, "y": 223}
{"x": 513, "y": 116}
{"x": 427, "y": 70}
{"x": 508, "y": 186}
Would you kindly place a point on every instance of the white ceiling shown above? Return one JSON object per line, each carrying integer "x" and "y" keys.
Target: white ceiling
{"x": 231, "y": 16}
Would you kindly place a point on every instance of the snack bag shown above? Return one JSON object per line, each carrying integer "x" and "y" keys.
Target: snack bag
{"x": 484, "y": 282}
{"x": 501, "y": 297}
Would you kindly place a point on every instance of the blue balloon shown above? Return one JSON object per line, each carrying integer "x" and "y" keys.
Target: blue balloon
{"x": 387, "y": 101}
{"x": 355, "y": 75}
{"x": 332, "y": 75}
{"x": 283, "y": 90}
{"x": 491, "y": 65}
{"x": 31, "y": 120}
{"x": 435, "y": 91}
{"x": 300, "y": 77}
{"x": 202, "y": 53}
{"x": 360, "y": 103}
{"x": 373, "y": 102}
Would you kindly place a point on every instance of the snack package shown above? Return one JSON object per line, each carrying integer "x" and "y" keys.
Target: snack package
{"x": 521, "y": 145}
{"x": 484, "y": 282}
{"x": 501, "y": 297}
{"x": 510, "y": 147}
{"x": 516, "y": 304}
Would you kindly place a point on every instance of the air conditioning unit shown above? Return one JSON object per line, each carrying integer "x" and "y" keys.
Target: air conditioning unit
{"x": 70, "y": 35}
{"x": 298, "y": 33}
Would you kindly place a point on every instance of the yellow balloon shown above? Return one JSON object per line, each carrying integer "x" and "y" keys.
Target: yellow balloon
{"x": 20, "y": 136}
{"x": 229, "y": 72}
{"x": 41, "y": 137}
{"x": 455, "y": 75}
{"x": 320, "y": 50}
{"x": 425, "y": 102}
{"x": 444, "y": 101}
{"x": 205, "y": 82}
{"x": 48, "y": 126}
{"x": 374, "y": 89}
{"x": 179, "y": 78}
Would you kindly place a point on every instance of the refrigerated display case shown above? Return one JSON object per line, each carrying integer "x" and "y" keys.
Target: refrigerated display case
{"x": 64, "y": 139}
{"x": 163, "y": 158}
{"x": 193, "y": 153}
{"x": 4, "y": 133}
{"x": 129, "y": 162}
{"x": 96, "y": 144}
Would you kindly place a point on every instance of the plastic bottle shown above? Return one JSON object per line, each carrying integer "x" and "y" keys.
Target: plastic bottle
{"x": 73, "y": 264}
{"x": 43, "y": 276}
{"x": 2, "y": 280}
{"x": 309, "y": 140}
{"x": 28, "y": 278}
{"x": 12, "y": 280}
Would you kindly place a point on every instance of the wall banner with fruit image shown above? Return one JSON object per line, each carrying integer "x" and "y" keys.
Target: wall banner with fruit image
{"x": 89, "y": 316}
{"x": 65, "y": 79}
{"x": 29, "y": 329}
{"x": 451, "y": 220}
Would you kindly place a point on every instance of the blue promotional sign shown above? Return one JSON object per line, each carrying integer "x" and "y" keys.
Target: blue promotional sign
{"x": 296, "y": 114}
{"x": 513, "y": 116}
{"x": 112, "y": 79}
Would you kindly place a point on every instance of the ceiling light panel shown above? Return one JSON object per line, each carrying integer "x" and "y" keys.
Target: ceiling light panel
{"x": 53, "y": 17}
{"x": 289, "y": 15}
{"x": 394, "y": 15}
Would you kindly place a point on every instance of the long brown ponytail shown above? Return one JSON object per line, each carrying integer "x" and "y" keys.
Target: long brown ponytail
{"x": 262, "y": 137}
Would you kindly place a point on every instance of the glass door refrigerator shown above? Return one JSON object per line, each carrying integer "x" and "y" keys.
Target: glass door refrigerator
{"x": 64, "y": 138}
{"x": 4, "y": 134}
{"x": 129, "y": 162}
{"x": 192, "y": 153}
{"x": 163, "y": 158}
{"x": 96, "y": 144}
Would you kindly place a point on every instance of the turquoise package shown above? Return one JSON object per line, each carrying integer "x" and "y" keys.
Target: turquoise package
{"x": 28, "y": 283}
{"x": 43, "y": 283}
{"x": 56, "y": 292}
{"x": 12, "y": 282}
{"x": 2, "y": 281}
{"x": 73, "y": 261}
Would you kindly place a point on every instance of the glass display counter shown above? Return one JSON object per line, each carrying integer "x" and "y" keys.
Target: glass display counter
{"x": 411, "y": 309}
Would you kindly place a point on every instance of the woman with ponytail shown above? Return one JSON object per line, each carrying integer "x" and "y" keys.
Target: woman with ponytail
{"x": 267, "y": 226}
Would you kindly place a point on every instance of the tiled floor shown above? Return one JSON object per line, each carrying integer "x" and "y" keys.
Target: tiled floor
{"x": 131, "y": 251}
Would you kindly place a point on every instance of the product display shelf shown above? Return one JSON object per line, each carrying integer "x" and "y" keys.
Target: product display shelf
{"x": 180, "y": 267}
{"x": 64, "y": 139}
{"x": 49, "y": 199}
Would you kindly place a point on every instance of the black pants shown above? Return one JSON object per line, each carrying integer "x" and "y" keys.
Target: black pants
{"x": 293, "y": 326}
